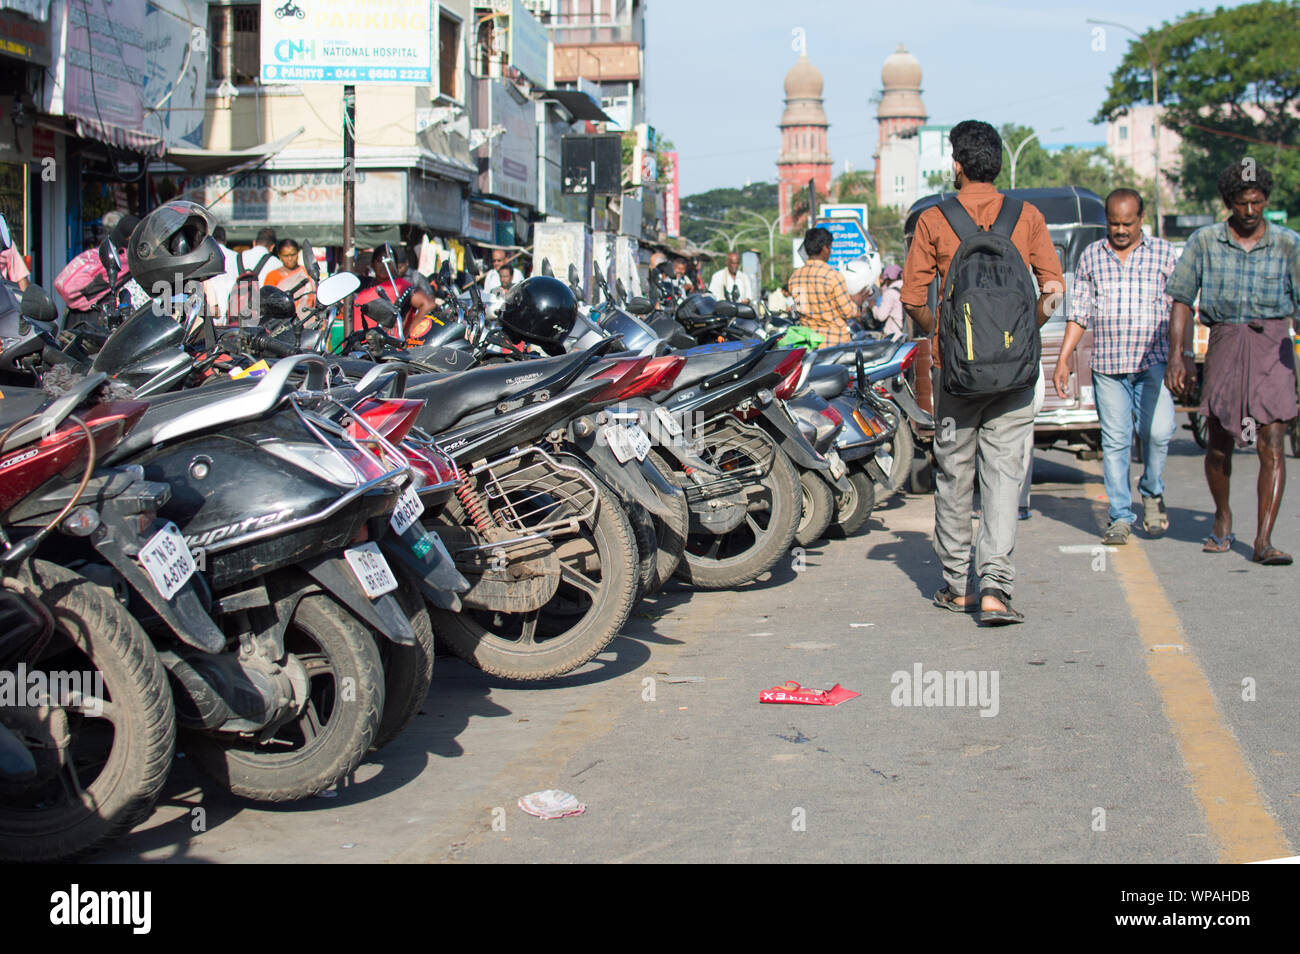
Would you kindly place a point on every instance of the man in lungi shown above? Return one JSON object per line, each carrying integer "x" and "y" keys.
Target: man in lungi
{"x": 1247, "y": 273}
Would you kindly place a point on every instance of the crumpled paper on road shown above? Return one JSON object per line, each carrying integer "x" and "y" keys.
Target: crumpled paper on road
{"x": 551, "y": 803}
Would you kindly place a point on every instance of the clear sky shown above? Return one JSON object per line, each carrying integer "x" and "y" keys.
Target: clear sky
{"x": 714, "y": 71}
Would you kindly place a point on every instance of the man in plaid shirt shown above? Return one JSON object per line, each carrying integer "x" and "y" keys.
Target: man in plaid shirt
{"x": 820, "y": 295}
{"x": 1119, "y": 291}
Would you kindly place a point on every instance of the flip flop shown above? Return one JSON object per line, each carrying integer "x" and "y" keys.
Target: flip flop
{"x": 1219, "y": 544}
{"x": 1003, "y": 617}
{"x": 1272, "y": 557}
{"x": 946, "y": 599}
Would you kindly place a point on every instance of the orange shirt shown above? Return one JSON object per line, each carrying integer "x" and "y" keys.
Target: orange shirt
{"x": 934, "y": 244}
{"x": 304, "y": 299}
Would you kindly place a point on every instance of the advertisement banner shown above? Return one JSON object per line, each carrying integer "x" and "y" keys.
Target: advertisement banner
{"x": 297, "y": 198}
{"x": 672, "y": 210}
{"x": 529, "y": 45}
{"x": 512, "y": 159}
{"x": 348, "y": 41}
{"x": 434, "y": 204}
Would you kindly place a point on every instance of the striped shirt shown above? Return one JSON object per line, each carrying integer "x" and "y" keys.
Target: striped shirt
{"x": 1125, "y": 304}
{"x": 1235, "y": 285}
{"x": 822, "y": 300}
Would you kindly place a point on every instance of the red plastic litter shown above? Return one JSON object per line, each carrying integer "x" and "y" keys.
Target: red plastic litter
{"x": 791, "y": 693}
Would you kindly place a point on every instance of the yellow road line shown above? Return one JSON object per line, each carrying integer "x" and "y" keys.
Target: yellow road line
{"x": 1221, "y": 778}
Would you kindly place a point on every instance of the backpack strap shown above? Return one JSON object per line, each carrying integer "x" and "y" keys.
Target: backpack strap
{"x": 1008, "y": 216}
{"x": 958, "y": 218}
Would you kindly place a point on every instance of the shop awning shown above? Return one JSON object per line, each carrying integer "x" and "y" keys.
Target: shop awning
{"x": 212, "y": 161}
{"x": 579, "y": 105}
{"x": 129, "y": 139}
{"x": 366, "y": 237}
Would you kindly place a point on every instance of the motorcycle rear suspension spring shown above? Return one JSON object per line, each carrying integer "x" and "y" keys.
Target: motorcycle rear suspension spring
{"x": 473, "y": 504}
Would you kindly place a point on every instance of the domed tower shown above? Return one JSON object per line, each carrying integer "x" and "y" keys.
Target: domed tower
{"x": 805, "y": 153}
{"x": 900, "y": 110}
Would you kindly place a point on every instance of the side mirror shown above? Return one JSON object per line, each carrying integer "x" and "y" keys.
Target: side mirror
{"x": 640, "y": 306}
{"x": 546, "y": 268}
{"x": 472, "y": 266}
{"x": 620, "y": 289}
{"x": 108, "y": 258}
{"x": 381, "y": 311}
{"x": 6, "y": 239}
{"x": 725, "y": 309}
{"x": 574, "y": 277}
{"x": 337, "y": 287}
{"x": 596, "y": 273}
{"x": 308, "y": 259}
{"x": 37, "y": 305}
{"x": 746, "y": 311}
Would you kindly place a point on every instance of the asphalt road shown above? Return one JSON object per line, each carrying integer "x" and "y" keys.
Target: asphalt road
{"x": 1120, "y": 730}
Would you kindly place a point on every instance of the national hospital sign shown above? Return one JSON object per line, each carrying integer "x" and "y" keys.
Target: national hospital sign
{"x": 348, "y": 41}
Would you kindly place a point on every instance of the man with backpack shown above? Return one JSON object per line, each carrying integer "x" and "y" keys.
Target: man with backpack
{"x": 255, "y": 264}
{"x": 85, "y": 284}
{"x": 982, "y": 247}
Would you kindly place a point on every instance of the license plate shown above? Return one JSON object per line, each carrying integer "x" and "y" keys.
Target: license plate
{"x": 167, "y": 560}
{"x": 837, "y": 466}
{"x": 627, "y": 441}
{"x": 371, "y": 569}
{"x": 408, "y": 510}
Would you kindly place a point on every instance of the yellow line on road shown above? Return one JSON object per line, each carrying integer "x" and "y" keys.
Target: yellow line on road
{"x": 1223, "y": 781}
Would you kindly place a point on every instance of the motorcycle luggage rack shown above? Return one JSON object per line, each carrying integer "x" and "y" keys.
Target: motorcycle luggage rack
{"x": 734, "y": 437}
{"x": 390, "y": 460}
{"x": 521, "y": 503}
{"x": 423, "y": 442}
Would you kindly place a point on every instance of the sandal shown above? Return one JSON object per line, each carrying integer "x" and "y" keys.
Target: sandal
{"x": 1002, "y": 617}
{"x": 1155, "y": 518}
{"x": 1217, "y": 544}
{"x": 947, "y": 599}
{"x": 1272, "y": 557}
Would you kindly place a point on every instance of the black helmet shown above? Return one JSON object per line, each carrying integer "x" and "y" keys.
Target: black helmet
{"x": 173, "y": 240}
{"x": 540, "y": 310}
{"x": 274, "y": 304}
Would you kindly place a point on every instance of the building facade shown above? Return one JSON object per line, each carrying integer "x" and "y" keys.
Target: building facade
{"x": 900, "y": 114}
{"x": 805, "y": 152}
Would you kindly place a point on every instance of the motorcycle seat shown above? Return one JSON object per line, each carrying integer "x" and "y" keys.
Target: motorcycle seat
{"x": 705, "y": 361}
{"x": 164, "y": 408}
{"x": 873, "y": 352}
{"x": 449, "y": 397}
{"x": 827, "y": 380}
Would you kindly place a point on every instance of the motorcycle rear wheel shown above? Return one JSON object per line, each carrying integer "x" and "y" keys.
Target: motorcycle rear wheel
{"x": 719, "y": 562}
{"x": 117, "y": 761}
{"x": 333, "y": 732}
{"x": 597, "y": 589}
{"x": 817, "y": 508}
{"x": 408, "y": 670}
{"x": 853, "y": 507}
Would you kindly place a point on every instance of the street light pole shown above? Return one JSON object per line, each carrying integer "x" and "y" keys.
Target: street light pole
{"x": 1015, "y": 157}
{"x": 1153, "y": 57}
{"x": 771, "y": 225}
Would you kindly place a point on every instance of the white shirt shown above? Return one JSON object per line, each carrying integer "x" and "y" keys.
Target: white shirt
{"x": 491, "y": 280}
{"x": 251, "y": 256}
{"x": 219, "y": 287}
{"x": 723, "y": 281}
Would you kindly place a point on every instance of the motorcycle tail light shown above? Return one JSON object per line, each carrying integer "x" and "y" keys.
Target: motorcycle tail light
{"x": 81, "y": 522}
{"x": 909, "y": 359}
{"x": 392, "y": 418}
{"x": 431, "y": 469}
{"x": 832, "y": 415}
{"x": 789, "y": 369}
{"x": 658, "y": 374}
{"x": 620, "y": 373}
{"x": 316, "y": 459}
{"x": 369, "y": 468}
{"x": 868, "y": 424}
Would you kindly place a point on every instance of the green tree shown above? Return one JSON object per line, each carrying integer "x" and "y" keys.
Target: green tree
{"x": 1038, "y": 168}
{"x": 1230, "y": 86}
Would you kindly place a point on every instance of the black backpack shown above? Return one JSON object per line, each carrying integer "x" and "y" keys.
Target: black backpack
{"x": 988, "y": 321}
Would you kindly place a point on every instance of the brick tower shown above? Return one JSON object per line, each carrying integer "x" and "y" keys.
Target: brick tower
{"x": 900, "y": 110}
{"x": 805, "y": 153}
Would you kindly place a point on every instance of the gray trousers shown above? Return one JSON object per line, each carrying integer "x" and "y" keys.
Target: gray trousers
{"x": 988, "y": 436}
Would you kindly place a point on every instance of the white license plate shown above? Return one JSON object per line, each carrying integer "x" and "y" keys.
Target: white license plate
{"x": 167, "y": 560}
{"x": 627, "y": 441}
{"x": 408, "y": 510}
{"x": 371, "y": 569}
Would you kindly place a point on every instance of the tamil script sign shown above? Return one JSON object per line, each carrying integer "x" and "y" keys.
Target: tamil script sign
{"x": 297, "y": 198}
{"x": 848, "y": 240}
{"x": 348, "y": 41}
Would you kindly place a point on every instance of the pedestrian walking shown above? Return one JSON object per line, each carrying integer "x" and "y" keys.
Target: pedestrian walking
{"x": 988, "y": 351}
{"x": 1247, "y": 273}
{"x": 820, "y": 294}
{"x": 1119, "y": 292}
{"x": 890, "y": 310}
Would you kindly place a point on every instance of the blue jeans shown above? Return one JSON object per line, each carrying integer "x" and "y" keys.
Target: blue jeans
{"x": 1123, "y": 399}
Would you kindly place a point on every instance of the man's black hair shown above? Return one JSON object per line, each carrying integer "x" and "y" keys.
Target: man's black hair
{"x": 978, "y": 147}
{"x": 219, "y": 233}
{"x": 1242, "y": 177}
{"x": 266, "y": 237}
{"x": 815, "y": 240}
{"x": 1125, "y": 193}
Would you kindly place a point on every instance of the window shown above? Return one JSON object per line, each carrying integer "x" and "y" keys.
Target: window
{"x": 233, "y": 35}
{"x": 448, "y": 55}
{"x": 1123, "y": 133}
